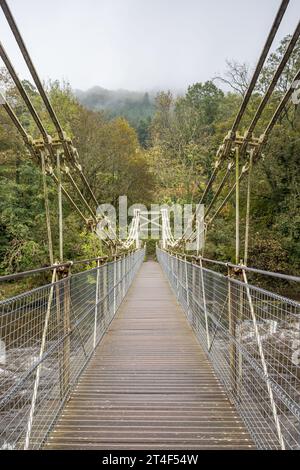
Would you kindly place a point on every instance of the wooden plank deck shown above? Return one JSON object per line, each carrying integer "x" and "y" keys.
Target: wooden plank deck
{"x": 149, "y": 384}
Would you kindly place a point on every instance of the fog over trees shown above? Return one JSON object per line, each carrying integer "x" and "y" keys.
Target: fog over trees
{"x": 155, "y": 148}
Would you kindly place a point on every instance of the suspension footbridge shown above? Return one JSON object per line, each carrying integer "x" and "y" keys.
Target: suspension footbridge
{"x": 149, "y": 383}
{"x": 179, "y": 353}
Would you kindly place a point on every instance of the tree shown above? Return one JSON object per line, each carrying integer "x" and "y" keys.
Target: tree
{"x": 143, "y": 131}
{"x": 111, "y": 156}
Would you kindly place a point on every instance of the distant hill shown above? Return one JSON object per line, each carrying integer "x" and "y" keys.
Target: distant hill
{"x": 133, "y": 105}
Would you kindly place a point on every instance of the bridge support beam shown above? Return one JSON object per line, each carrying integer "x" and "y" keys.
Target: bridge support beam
{"x": 204, "y": 304}
{"x": 64, "y": 353}
{"x": 96, "y": 303}
{"x": 237, "y": 205}
{"x": 38, "y": 370}
{"x": 232, "y": 309}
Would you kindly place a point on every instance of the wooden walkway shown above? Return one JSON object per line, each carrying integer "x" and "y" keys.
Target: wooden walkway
{"x": 149, "y": 384}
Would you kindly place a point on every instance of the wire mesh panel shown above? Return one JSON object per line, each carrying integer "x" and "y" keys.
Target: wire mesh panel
{"x": 47, "y": 337}
{"x": 252, "y": 337}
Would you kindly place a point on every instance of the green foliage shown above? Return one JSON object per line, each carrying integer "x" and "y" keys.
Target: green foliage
{"x": 151, "y": 249}
{"x": 112, "y": 159}
{"x": 143, "y": 131}
{"x": 154, "y": 151}
{"x": 203, "y": 101}
{"x": 137, "y": 108}
{"x": 185, "y": 135}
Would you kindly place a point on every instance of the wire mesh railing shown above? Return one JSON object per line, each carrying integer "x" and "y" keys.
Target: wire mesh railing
{"x": 252, "y": 337}
{"x": 47, "y": 337}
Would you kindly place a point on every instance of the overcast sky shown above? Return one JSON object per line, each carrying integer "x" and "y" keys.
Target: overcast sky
{"x": 141, "y": 44}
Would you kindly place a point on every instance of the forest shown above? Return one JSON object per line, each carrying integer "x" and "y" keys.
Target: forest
{"x": 155, "y": 150}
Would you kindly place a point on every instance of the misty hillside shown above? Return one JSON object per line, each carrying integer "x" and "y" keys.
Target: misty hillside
{"x": 134, "y": 106}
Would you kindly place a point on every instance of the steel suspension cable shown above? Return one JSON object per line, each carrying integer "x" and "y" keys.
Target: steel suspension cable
{"x": 32, "y": 69}
{"x": 272, "y": 85}
{"x": 247, "y": 219}
{"x": 47, "y": 209}
{"x": 211, "y": 180}
{"x": 226, "y": 147}
{"x": 220, "y": 187}
{"x": 24, "y": 94}
{"x": 60, "y": 207}
{"x": 280, "y": 108}
{"x": 231, "y": 191}
{"x": 27, "y": 139}
{"x": 46, "y": 137}
{"x": 16, "y": 122}
{"x": 237, "y": 205}
{"x": 70, "y": 199}
{"x": 245, "y": 169}
{"x": 70, "y": 153}
{"x": 75, "y": 186}
{"x": 261, "y": 61}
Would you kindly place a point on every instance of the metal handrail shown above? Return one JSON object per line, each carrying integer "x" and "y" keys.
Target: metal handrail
{"x": 68, "y": 264}
{"x": 252, "y": 338}
{"x": 50, "y": 333}
{"x": 238, "y": 267}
